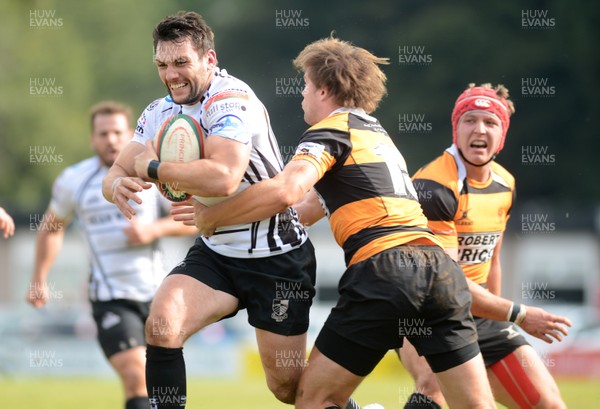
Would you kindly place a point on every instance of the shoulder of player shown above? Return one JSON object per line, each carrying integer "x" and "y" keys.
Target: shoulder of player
{"x": 504, "y": 174}
{"x": 73, "y": 176}
{"x": 81, "y": 168}
{"x": 160, "y": 107}
{"x": 442, "y": 170}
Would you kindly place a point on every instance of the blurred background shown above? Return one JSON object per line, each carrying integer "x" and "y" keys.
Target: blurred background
{"x": 61, "y": 57}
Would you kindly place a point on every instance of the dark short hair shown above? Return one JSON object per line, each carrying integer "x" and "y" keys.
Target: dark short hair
{"x": 183, "y": 25}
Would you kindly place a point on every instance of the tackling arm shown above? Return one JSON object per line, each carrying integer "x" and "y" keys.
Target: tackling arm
{"x": 260, "y": 200}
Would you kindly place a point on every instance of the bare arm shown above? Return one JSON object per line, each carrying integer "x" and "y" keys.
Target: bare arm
{"x": 309, "y": 208}
{"x": 260, "y": 200}
{"x": 218, "y": 174}
{"x": 141, "y": 233}
{"x": 48, "y": 245}
{"x": 121, "y": 183}
{"x": 494, "y": 279}
{"x": 537, "y": 322}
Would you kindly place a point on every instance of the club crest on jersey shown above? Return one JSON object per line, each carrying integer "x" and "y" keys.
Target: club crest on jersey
{"x": 280, "y": 308}
{"x": 464, "y": 219}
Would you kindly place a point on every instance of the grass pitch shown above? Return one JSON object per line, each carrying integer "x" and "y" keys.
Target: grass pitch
{"x": 243, "y": 393}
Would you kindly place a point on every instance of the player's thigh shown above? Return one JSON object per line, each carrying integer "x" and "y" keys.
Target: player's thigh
{"x": 325, "y": 383}
{"x": 184, "y": 305}
{"x": 418, "y": 368}
{"x": 416, "y": 365}
{"x": 466, "y": 385}
{"x": 522, "y": 380}
{"x": 283, "y": 357}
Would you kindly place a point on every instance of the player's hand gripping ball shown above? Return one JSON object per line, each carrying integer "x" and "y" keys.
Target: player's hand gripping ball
{"x": 179, "y": 139}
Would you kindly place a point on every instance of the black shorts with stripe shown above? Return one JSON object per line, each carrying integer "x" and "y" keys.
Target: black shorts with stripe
{"x": 417, "y": 292}
{"x": 277, "y": 291}
{"x": 497, "y": 339}
{"x": 120, "y": 324}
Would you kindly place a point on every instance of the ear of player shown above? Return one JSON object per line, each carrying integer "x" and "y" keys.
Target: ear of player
{"x": 179, "y": 139}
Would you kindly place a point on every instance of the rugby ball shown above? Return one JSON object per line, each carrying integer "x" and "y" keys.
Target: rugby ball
{"x": 179, "y": 139}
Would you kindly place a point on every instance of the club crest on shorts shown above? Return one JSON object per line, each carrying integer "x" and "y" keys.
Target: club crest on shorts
{"x": 279, "y": 309}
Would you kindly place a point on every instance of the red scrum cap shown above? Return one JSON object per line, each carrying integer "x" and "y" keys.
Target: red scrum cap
{"x": 481, "y": 99}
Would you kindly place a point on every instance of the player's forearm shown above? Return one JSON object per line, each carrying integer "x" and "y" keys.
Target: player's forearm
{"x": 486, "y": 304}
{"x": 48, "y": 245}
{"x": 309, "y": 208}
{"x": 206, "y": 178}
{"x": 123, "y": 167}
{"x": 494, "y": 280}
{"x": 108, "y": 182}
{"x": 258, "y": 202}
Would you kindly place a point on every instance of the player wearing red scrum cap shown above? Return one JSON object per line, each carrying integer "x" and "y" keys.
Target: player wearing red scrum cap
{"x": 467, "y": 198}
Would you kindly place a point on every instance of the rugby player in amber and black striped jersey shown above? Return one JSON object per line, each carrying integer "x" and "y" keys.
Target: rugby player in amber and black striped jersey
{"x": 467, "y": 197}
{"x": 397, "y": 272}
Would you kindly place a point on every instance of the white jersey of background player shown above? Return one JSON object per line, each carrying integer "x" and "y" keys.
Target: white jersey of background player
{"x": 230, "y": 109}
{"x": 119, "y": 270}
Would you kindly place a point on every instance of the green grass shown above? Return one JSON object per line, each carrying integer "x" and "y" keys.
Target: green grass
{"x": 246, "y": 393}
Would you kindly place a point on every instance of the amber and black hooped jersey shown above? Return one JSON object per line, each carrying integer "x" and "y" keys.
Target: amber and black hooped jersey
{"x": 364, "y": 186}
{"x": 468, "y": 215}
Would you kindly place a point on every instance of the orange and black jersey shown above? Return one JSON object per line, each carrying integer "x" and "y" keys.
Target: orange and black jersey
{"x": 364, "y": 185}
{"x": 466, "y": 214}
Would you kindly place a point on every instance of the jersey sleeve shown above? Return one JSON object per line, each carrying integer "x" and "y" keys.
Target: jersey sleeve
{"x": 439, "y": 205}
{"x": 62, "y": 203}
{"x": 324, "y": 149}
{"x": 146, "y": 126}
{"x": 228, "y": 114}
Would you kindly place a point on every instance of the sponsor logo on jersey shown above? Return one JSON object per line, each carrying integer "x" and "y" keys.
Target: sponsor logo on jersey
{"x": 312, "y": 149}
{"x": 475, "y": 248}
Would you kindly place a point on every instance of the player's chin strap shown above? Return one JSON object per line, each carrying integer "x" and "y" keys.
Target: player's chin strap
{"x": 474, "y": 164}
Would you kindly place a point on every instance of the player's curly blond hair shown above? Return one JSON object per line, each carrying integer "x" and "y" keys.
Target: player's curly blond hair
{"x": 350, "y": 73}
{"x": 501, "y": 92}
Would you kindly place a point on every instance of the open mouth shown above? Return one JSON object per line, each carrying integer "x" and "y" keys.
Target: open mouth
{"x": 478, "y": 144}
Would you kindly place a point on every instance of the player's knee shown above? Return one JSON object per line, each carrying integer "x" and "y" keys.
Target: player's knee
{"x": 551, "y": 400}
{"x": 163, "y": 332}
{"x": 426, "y": 383}
{"x": 284, "y": 391}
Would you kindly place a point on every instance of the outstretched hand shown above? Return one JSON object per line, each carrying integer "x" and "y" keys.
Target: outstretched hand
{"x": 125, "y": 189}
{"x": 545, "y": 326}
